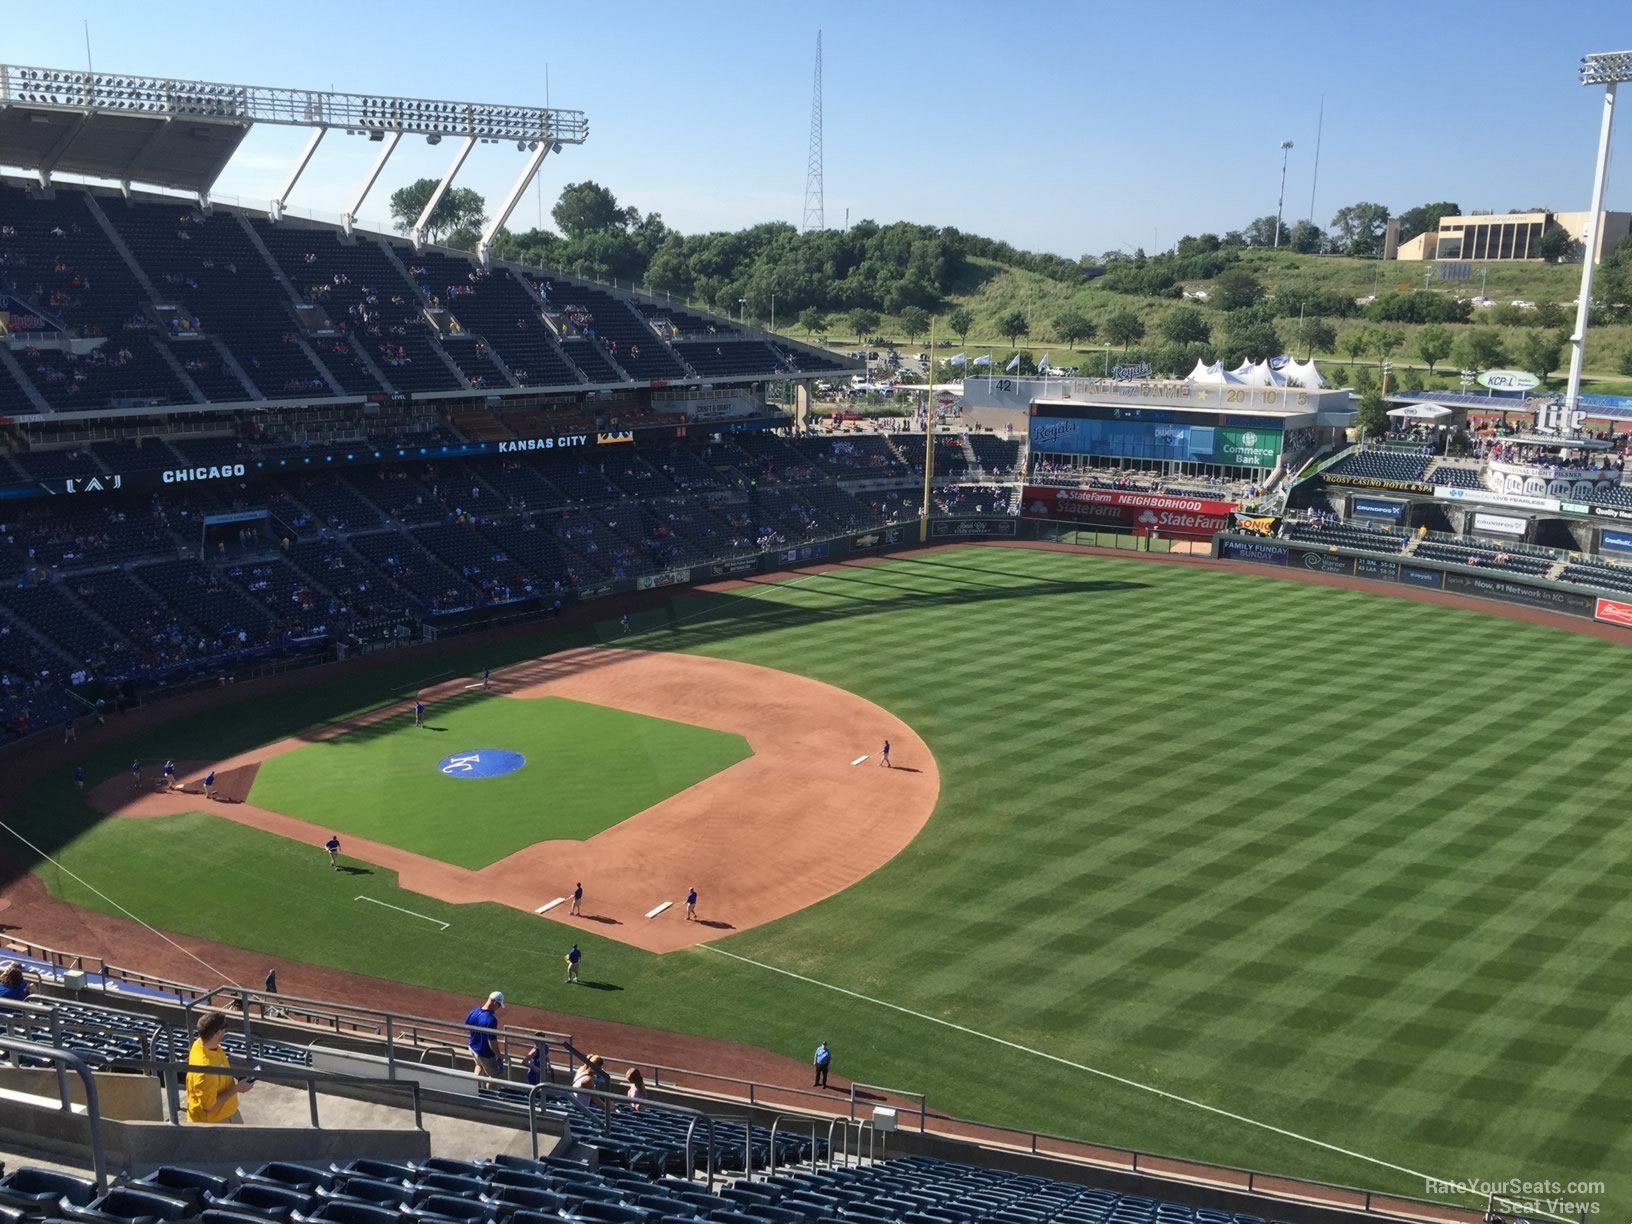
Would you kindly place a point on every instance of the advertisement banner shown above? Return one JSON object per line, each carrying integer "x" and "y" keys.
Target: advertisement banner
{"x": 1376, "y": 507}
{"x": 1251, "y": 550}
{"x": 1520, "y": 593}
{"x": 1115, "y": 509}
{"x": 1321, "y": 562}
{"x": 726, "y": 569}
{"x": 1415, "y": 575}
{"x": 668, "y": 578}
{"x": 882, "y": 538}
{"x": 1254, "y": 448}
{"x": 945, "y": 528}
{"x": 1500, "y": 524}
{"x": 805, "y": 552}
{"x": 1615, "y": 611}
{"x": 1527, "y": 501}
{"x": 1614, "y": 541}
{"x": 1372, "y": 482}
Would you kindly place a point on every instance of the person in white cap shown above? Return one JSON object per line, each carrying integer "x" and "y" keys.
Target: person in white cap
{"x": 483, "y": 1022}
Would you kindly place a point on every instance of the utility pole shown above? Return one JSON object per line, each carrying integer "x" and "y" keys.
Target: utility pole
{"x": 1280, "y": 200}
{"x": 815, "y": 205}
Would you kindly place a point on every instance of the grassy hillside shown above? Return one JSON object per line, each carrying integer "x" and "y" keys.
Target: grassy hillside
{"x": 991, "y": 290}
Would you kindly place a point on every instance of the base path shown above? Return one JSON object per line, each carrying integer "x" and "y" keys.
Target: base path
{"x": 791, "y": 825}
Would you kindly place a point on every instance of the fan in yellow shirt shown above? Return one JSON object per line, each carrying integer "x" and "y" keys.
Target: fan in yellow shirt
{"x": 212, "y": 1097}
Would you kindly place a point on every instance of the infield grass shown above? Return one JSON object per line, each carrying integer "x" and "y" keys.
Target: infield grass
{"x": 1349, "y": 865}
{"x": 588, "y": 768}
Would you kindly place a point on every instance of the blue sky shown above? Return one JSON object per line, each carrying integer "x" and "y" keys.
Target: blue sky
{"x": 1097, "y": 126}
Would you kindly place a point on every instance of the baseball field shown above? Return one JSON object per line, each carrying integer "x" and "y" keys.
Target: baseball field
{"x": 1269, "y": 874}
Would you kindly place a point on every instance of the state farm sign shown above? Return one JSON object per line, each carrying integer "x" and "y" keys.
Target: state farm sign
{"x": 1118, "y": 510}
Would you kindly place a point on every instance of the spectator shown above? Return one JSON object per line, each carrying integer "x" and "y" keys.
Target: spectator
{"x": 637, "y": 1088}
{"x": 12, "y": 985}
{"x": 483, "y": 1021}
{"x": 538, "y": 1061}
{"x": 590, "y": 1077}
{"x": 211, "y": 1096}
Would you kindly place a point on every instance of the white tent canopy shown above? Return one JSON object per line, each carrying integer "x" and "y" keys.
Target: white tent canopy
{"x": 1212, "y": 375}
{"x": 1420, "y": 412}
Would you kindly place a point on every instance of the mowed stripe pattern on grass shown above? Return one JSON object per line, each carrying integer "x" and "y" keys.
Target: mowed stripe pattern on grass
{"x": 1348, "y": 864}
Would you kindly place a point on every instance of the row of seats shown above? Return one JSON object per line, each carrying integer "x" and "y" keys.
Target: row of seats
{"x": 520, "y": 1190}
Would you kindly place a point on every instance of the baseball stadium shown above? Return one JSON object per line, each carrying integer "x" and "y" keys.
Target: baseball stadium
{"x": 591, "y": 782}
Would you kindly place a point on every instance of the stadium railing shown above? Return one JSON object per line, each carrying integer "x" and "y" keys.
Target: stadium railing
{"x": 65, "y": 1061}
{"x": 918, "y": 1123}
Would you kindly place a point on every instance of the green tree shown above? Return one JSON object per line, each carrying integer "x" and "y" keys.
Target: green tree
{"x": 864, "y": 323}
{"x": 1236, "y": 288}
{"x": 1434, "y": 344}
{"x": 1386, "y": 341}
{"x": 1358, "y": 229}
{"x": 1624, "y": 366}
{"x": 1250, "y": 340}
{"x": 1072, "y": 325}
{"x": 1316, "y": 335}
{"x": 588, "y": 208}
{"x": 1556, "y": 246}
{"x": 1542, "y": 352}
{"x": 1480, "y": 348}
{"x": 813, "y": 319}
{"x": 915, "y": 322}
{"x": 960, "y": 321}
{"x": 1364, "y": 380}
{"x": 1186, "y": 326}
{"x": 1013, "y": 325}
{"x": 1424, "y": 218}
{"x": 1357, "y": 342}
{"x": 1306, "y": 238}
{"x": 460, "y": 208}
{"x": 1371, "y": 415}
{"x": 1124, "y": 328}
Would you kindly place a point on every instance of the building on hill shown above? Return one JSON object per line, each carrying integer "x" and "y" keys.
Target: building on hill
{"x": 1504, "y": 237}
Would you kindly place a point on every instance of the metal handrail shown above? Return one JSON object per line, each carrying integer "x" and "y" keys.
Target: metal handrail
{"x": 608, "y": 1099}
{"x": 64, "y": 1061}
{"x": 172, "y": 1074}
{"x": 770, "y": 1168}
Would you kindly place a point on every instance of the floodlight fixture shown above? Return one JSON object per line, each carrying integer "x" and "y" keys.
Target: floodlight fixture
{"x": 1606, "y": 68}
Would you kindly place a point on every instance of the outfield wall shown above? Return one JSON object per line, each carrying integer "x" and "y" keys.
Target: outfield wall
{"x": 1523, "y": 590}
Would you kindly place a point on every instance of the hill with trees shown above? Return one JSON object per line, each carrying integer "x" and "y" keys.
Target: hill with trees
{"x": 1231, "y": 296}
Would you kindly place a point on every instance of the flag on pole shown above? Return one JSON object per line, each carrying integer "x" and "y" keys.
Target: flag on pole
{"x": 1042, "y": 366}
{"x": 984, "y": 360}
{"x": 956, "y": 360}
{"x": 1014, "y": 363}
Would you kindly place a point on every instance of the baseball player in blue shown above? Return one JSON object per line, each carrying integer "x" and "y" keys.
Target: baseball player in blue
{"x": 135, "y": 775}
{"x": 625, "y": 622}
{"x": 487, "y": 675}
{"x": 419, "y": 713}
{"x": 169, "y": 773}
{"x": 577, "y": 898}
{"x": 209, "y": 785}
{"x": 79, "y": 777}
{"x": 333, "y": 847}
{"x": 691, "y": 905}
{"x": 884, "y": 756}
{"x": 573, "y": 957}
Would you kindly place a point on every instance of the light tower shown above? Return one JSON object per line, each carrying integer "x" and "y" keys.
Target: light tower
{"x": 1280, "y": 200}
{"x": 1609, "y": 69}
{"x": 815, "y": 210}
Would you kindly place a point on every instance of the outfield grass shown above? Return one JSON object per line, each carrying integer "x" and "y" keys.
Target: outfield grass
{"x": 588, "y": 768}
{"x": 1348, "y": 865}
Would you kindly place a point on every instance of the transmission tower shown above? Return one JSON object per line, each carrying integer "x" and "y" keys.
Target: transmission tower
{"x": 815, "y": 216}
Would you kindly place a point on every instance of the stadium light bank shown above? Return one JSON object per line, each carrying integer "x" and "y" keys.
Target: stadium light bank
{"x": 1609, "y": 69}
{"x": 181, "y": 134}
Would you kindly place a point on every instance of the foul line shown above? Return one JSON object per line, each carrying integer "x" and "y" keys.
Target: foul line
{"x": 409, "y": 912}
{"x": 220, "y": 973}
{"x": 1109, "y": 1075}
